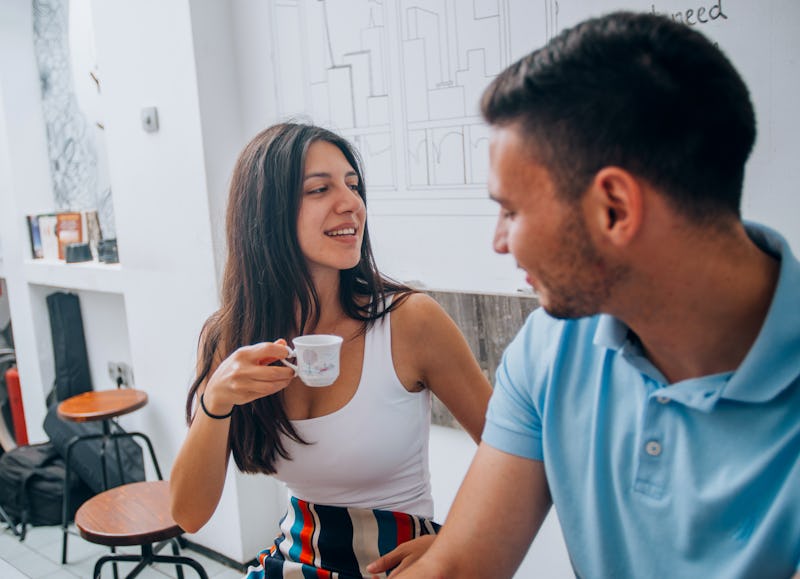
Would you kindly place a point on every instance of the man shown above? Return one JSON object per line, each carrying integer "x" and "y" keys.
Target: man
{"x": 655, "y": 397}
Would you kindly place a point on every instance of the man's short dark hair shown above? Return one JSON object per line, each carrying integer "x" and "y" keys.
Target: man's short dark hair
{"x": 637, "y": 91}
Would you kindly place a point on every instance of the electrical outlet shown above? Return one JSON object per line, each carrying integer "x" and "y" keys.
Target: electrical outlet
{"x": 121, "y": 374}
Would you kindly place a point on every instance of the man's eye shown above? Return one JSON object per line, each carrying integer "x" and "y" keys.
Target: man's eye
{"x": 509, "y": 214}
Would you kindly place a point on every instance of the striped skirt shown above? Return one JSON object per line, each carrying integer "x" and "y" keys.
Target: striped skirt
{"x": 321, "y": 541}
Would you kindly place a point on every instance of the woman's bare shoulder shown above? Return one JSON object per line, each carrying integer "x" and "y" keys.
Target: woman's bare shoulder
{"x": 420, "y": 317}
{"x": 417, "y": 307}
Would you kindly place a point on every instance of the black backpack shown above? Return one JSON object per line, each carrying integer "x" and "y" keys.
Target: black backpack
{"x": 86, "y": 456}
{"x": 32, "y": 487}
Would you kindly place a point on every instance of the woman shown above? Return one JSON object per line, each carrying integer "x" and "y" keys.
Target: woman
{"x": 353, "y": 454}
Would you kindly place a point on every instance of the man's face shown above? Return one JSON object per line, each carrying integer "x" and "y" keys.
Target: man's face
{"x": 546, "y": 235}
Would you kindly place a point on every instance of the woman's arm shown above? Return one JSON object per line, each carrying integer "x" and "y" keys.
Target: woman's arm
{"x": 430, "y": 351}
{"x": 198, "y": 474}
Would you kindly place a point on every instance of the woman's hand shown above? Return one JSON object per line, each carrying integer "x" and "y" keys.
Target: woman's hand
{"x": 245, "y": 376}
{"x": 402, "y": 556}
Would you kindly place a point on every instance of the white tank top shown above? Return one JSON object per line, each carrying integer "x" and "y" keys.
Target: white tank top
{"x": 373, "y": 452}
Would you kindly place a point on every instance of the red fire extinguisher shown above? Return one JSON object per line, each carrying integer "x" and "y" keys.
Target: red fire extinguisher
{"x": 17, "y": 410}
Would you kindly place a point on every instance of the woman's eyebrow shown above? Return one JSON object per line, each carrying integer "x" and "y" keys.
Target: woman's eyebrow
{"x": 328, "y": 175}
{"x": 312, "y": 175}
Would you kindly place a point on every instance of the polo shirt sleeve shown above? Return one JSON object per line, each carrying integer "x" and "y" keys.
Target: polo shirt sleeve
{"x": 513, "y": 423}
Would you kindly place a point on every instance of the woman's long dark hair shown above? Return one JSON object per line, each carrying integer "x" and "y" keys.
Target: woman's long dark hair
{"x": 266, "y": 283}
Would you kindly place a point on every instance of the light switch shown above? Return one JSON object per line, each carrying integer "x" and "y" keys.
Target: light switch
{"x": 150, "y": 119}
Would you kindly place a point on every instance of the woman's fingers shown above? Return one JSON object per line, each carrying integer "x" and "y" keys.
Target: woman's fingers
{"x": 244, "y": 375}
{"x": 266, "y": 352}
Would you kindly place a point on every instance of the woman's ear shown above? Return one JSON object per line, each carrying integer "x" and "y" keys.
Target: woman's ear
{"x": 615, "y": 205}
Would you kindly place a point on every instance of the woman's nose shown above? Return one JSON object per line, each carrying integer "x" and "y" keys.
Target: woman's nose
{"x": 348, "y": 200}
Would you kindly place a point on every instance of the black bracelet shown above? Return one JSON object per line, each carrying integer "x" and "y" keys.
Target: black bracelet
{"x": 214, "y": 416}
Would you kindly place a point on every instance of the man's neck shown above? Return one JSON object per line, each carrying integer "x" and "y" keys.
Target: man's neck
{"x": 701, "y": 310}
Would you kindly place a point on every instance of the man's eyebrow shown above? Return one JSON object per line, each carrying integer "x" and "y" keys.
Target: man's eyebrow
{"x": 496, "y": 198}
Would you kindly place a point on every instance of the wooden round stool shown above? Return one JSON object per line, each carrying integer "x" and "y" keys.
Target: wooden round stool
{"x": 134, "y": 514}
{"x": 99, "y": 406}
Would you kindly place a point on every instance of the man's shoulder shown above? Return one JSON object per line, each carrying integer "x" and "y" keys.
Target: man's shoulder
{"x": 544, "y": 336}
{"x": 540, "y": 324}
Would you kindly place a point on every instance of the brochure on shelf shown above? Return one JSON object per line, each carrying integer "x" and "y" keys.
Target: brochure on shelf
{"x": 51, "y": 233}
{"x": 48, "y": 235}
{"x": 35, "y": 236}
{"x": 68, "y": 229}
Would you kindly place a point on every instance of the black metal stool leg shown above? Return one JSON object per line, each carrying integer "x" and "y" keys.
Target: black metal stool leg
{"x": 114, "y": 569}
{"x": 176, "y": 551}
{"x": 65, "y": 499}
{"x": 112, "y": 558}
{"x": 10, "y": 524}
{"x": 181, "y": 560}
{"x": 149, "y": 448}
{"x": 103, "y": 444}
{"x": 148, "y": 557}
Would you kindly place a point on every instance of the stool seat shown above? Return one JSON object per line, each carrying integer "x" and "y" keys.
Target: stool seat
{"x": 101, "y": 404}
{"x": 130, "y": 514}
{"x": 134, "y": 514}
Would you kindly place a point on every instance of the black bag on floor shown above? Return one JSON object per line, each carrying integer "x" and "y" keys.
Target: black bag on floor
{"x": 69, "y": 346}
{"x": 85, "y": 458}
{"x": 32, "y": 486}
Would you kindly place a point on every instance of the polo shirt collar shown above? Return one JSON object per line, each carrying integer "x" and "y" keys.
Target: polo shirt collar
{"x": 773, "y": 362}
{"x": 776, "y": 350}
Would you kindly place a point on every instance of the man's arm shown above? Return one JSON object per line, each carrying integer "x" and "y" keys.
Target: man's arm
{"x": 496, "y": 514}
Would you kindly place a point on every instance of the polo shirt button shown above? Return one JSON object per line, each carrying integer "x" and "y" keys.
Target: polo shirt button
{"x": 653, "y": 448}
{"x": 663, "y": 399}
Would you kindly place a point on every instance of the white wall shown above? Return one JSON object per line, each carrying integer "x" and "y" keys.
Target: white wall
{"x": 25, "y": 187}
{"x": 438, "y": 232}
{"x": 5, "y": 311}
{"x": 451, "y": 453}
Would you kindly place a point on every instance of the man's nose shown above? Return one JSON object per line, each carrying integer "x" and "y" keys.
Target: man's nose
{"x": 500, "y": 241}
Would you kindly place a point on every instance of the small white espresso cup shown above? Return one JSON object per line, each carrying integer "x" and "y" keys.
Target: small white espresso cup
{"x": 317, "y": 358}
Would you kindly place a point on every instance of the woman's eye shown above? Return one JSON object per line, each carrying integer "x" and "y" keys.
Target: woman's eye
{"x": 318, "y": 190}
{"x": 355, "y": 187}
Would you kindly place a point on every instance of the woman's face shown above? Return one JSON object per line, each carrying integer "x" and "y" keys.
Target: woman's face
{"x": 330, "y": 225}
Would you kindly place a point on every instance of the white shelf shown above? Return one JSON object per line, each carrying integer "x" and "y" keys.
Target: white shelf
{"x": 89, "y": 276}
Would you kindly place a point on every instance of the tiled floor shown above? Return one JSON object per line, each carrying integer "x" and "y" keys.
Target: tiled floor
{"x": 40, "y": 555}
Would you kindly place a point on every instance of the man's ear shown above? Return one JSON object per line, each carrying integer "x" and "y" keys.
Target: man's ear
{"x": 615, "y": 205}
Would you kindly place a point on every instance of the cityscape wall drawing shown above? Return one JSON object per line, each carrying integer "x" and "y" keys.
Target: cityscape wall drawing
{"x": 402, "y": 80}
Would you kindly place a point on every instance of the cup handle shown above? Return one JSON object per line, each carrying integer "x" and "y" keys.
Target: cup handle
{"x": 292, "y": 354}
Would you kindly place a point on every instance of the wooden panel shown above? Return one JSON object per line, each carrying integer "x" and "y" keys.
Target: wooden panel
{"x": 489, "y": 322}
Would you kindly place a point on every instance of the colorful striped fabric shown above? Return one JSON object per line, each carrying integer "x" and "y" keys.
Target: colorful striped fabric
{"x": 320, "y": 541}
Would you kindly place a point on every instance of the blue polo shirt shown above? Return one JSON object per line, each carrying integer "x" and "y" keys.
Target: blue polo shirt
{"x": 700, "y": 478}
